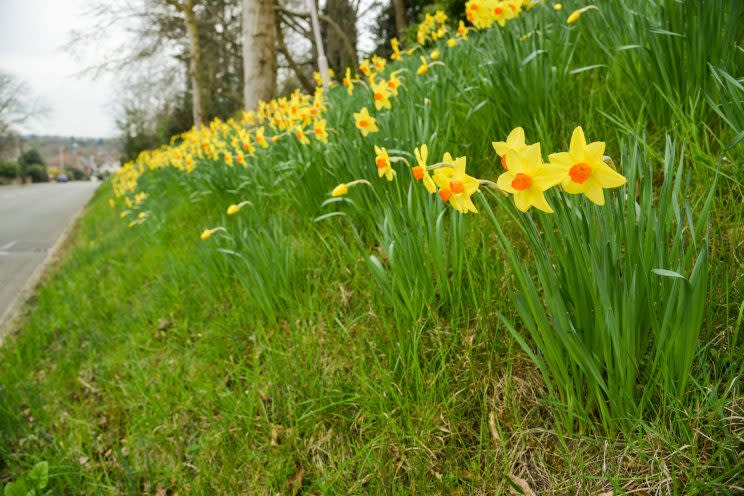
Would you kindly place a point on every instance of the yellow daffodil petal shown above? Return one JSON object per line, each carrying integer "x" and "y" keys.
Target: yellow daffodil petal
{"x": 595, "y": 193}
{"x": 607, "y": 177}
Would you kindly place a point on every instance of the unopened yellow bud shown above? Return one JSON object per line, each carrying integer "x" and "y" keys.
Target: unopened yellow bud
{"x": 206, "y": 234}
{"x": 340, "y": 190}
{"x": 233, "y": 209}
{"x": 573, "y": 17}
{"x": 558, "y": 6}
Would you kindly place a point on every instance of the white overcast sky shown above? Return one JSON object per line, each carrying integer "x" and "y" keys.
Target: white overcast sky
{"x": 32, "y": 33}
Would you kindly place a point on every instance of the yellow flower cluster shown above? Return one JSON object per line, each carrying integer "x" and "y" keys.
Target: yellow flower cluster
{"x": 232, "y": 142}
{"x": 432, "y": 28}
{"x": 583, "y": 169}
{"x": 580, "y": 170}
{"x": 484, "y": 13}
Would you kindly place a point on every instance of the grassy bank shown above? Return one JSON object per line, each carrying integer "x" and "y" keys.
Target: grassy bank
{"x": 137, "y": 370}
{"x": 381, "y": 342}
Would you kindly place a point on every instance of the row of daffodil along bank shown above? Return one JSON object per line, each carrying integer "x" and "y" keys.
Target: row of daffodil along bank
{"x": 584, "y": 169}
{"x": 301, "y": 117}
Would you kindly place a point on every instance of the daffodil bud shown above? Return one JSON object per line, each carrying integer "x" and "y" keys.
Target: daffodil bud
{"x": 340, "y": 190}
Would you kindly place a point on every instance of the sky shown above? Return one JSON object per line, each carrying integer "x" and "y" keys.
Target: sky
{"x": 32, "y": 33}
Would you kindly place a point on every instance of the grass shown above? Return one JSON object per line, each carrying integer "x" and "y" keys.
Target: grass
{"x": 362, "y": 345}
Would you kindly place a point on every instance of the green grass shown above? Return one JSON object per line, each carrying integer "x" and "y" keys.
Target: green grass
{"x": 370, "y": 351}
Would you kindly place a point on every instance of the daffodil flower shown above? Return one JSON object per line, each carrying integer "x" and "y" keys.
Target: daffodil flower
{"x": 396, "y": 49}
{"x": 382, "y": 161}
{"x": 348, "y": 82}
{"x": 528, "y": 178}
{"x": 393, "y": 83}
{"x": 514, "y": 142}
{"x": 455, "y": 186}
{"x": 420, "y": 172}
{"x": 462, "y": 30}
{"x": 301, "y": 136}
{"x": 380, "y": 94}
{"x": 434, "y": 54}
{"x": 365, "y": 122}
{"x": 585, "y": 170}
{"x": 319, "y": 131}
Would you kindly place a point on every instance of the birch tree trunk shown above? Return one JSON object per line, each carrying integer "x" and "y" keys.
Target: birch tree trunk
{"x": 195, "y": 64}
{"x": 259, "y": 52}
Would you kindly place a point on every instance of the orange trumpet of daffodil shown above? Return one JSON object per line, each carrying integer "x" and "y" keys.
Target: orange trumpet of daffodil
{"x": 584, "y": 168}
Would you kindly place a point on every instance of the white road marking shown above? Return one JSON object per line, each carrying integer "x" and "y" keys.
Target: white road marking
{"x": 8, "y": 246}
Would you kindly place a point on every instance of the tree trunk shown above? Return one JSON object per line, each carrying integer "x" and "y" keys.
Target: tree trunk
{"x": 259, "y": 52}
{"x": 195, "y": 64}
{"x": 400, "y": 17}
{"x": 340, "y": 34}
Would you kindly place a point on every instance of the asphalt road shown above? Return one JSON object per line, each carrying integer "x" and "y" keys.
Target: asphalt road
{"x": 32, "y": 218}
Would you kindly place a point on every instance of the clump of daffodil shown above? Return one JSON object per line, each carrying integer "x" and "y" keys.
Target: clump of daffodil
{"x": 207, "y": 233}
{"x": 455, "y": 186}
{"x": 528, "y": 178}
{"x": 343, "y": 188}
{"x": 584, "y": 169}
{"x": 235, "y": 208}
{"x": 382, "y": 161}
{"x": 576, "y": 14}
{"x": 365, "y": 122}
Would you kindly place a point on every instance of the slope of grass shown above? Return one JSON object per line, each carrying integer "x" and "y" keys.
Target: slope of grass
{"x": 137, "y": 371}
{"x": 363, "y": 353}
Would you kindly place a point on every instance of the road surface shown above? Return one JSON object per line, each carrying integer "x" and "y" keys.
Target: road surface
{"x": 32, "y": 219}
